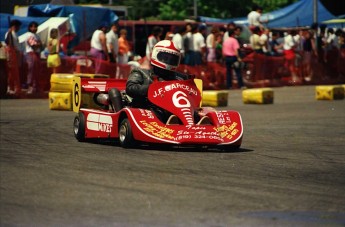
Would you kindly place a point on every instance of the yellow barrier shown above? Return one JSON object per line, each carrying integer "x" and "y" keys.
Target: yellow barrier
{"x": 215, "y": 98}
{"x": 258, "y": 96}
{"x": 329, "y": 92}
{"x": 60, "y": 101}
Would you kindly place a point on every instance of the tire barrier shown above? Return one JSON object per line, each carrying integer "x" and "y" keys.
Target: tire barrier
{"x": 61, "y": 90}
{"x": 324, "y": 92}
{"x": 215, "y": 98}
{"x": 60, "y": 100}
{"x": 258, "y": 96}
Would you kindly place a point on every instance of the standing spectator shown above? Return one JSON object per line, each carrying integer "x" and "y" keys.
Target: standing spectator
{"x": 309, "y": 50}
{"x": 238, "y": 32}
{"x": 338, "y": 33}
{"x": 297, "y": 37}
{"x": 219, "y": 47}
{"x": 264, "y": 39}
{"x": 13, "y": 59}
{"x": 188, "y": 45}
{"x": 53, "y": 46}
{"x": 342, "y": 42}
{"x": 254, "y": 18}
{"x": 330, "y": 42}
{"x": 199, "y": 45}
{"x": 289, "y": 53}
{"x": 124, "y": 52}
{"x": 112, "y": 43}
{"x": 274, "y": 46}
{"x": 255, "y": 41}
{"x": 169, "y": 36}
{"x": 33, "y": 46}
{"x": 123, "y": 47}
{"x": 152, "y": 40}
{"x": 231, "y": 55}
{"x": 331, "y": 39}
{"x": 178, "y": 40}
{"x": 99, "y": 49}
{"x": 211, "y": 42}
{"x": 230, "y": 26}
{"x": 320, "y": 44}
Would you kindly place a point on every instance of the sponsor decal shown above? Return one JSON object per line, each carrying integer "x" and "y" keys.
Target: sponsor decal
{"x": 157, "y": 130}
{"x": 223, "y": 117}
{"x": 99, "y": 85}
{"x": 194, "y": 132}
{"x": 99, "y": 122}
{"x": 228, "y": 131}
{"x": 147, "y": 113}
{"x": 170, "y": 87}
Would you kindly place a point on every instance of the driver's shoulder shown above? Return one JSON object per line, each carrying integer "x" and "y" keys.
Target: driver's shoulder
{"x": 141, "y": 72}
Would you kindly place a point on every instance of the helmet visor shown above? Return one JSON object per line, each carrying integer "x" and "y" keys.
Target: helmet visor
{"x": 168, "y": 58}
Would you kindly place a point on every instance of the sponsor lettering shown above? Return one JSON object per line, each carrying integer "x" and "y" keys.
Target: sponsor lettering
{"x": 228, "y": 131}
{"x": 157, "y": 130}
{"x": 99, "y": 122}
{"x": 160, "y": 91}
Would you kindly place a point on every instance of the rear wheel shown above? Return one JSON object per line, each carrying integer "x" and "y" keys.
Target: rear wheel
{"x": 125, "y": 134}
{"x": 79, "y": 127}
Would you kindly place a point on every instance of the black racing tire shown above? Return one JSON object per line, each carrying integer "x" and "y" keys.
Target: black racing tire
{"x": 126, "y": 138}
{"x": 79, "y": 127}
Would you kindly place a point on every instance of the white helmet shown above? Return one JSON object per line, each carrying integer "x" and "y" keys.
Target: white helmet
{"x": 165, "y": 55}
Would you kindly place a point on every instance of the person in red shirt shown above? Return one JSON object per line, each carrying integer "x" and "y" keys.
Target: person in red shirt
{"x": 13, "y": 60}
{"x": 232, "y": 59}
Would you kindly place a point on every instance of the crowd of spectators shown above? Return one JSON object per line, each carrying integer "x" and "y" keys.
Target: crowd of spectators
{"x": 199, "y": 44}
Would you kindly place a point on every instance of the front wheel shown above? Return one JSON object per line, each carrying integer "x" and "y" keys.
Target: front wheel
{"x": 79, "y": 127}
{"x": 125, "y": 134}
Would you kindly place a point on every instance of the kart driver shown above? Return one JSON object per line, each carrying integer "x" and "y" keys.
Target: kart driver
{"x": 164, "y": 61}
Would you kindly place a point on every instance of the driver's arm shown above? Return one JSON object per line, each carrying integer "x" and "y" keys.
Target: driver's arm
{"x": 136, "y": 85}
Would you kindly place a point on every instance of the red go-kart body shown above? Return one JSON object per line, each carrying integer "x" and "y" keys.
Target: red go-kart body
{"x": 132, "y": 125}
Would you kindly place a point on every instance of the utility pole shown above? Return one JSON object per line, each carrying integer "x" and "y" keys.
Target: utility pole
{"x": 195, "y": 9}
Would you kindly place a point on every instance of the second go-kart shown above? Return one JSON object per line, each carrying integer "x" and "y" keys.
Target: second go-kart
{"x": 188, "y": 123}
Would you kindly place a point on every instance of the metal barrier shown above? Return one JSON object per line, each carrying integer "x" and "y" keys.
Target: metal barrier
{"x": 259, "y": 71}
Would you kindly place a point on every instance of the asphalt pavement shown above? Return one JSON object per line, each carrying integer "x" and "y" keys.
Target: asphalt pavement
{"x": 290, "y": 170}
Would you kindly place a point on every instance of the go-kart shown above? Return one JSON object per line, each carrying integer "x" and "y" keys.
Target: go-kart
{"x": 188, "y": 123}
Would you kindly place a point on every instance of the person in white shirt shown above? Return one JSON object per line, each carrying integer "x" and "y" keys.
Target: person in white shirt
{"x": 152, "y": 40}
{"x": 178, "y": 40}
{"x": 199, "y": 45}
{"x": 264, "y": 38}
{"x": 289, "y": 53}
{"x": 99, "y": 49}
{"x": 112, "y": 43}
{"x": 33, "y": 46}
{"x": 254, "y": 18}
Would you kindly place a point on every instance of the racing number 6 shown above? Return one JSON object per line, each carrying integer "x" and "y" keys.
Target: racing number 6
{"x": 180, "y": 101}
{"x": 76, "y": 94}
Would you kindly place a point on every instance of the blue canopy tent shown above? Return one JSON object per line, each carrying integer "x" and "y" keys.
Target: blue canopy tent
{"x": 84, "y": 20}
{"x": 6, "y": 18}
{"x": 295, "y": 15}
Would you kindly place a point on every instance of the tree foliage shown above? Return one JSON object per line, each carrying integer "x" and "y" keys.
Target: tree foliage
{"x": 184, "y": 9}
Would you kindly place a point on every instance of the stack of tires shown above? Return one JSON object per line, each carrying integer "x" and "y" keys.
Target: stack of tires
{"x": 61, "y": 88}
